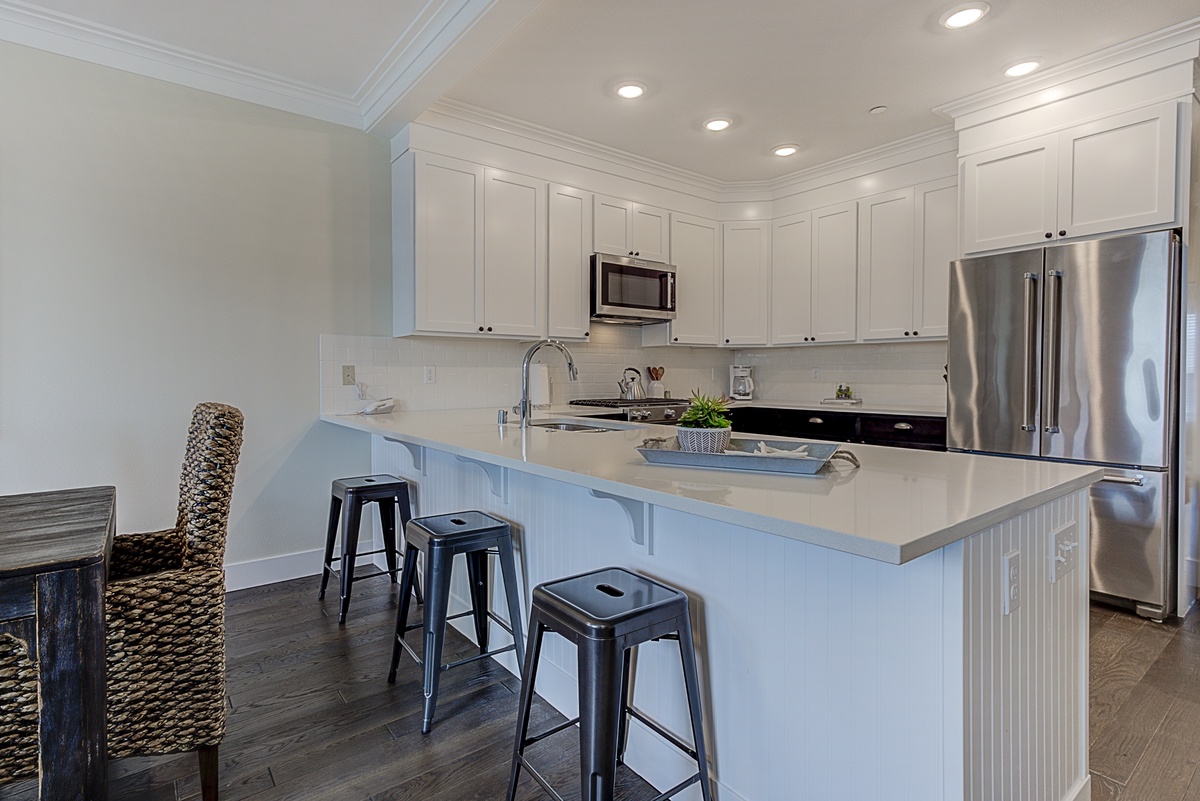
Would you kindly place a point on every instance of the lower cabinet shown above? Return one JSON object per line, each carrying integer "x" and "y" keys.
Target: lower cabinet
{"x": 901, "y": 431}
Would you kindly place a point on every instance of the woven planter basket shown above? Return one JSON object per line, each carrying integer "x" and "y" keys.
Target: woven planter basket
{"x": 703, "y": 440}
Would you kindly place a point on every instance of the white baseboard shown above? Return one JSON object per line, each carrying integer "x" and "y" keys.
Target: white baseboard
{"x": 1082, "y": 791}
{"x": 256, "y": 572}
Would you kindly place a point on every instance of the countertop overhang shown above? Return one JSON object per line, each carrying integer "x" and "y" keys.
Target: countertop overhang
{"x": 900, "y": 505}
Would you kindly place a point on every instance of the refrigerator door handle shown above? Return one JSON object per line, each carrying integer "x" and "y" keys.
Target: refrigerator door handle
{"x": 1137, "y": 480}
{"x": 1029, "y": 401}
{"x": 1053, "y": 352}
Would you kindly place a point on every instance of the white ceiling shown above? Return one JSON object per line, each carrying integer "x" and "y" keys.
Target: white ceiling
{"x": 784, "y": 70}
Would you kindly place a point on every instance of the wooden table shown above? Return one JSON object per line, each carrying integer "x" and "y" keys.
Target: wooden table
{"x": 54, "y": 549}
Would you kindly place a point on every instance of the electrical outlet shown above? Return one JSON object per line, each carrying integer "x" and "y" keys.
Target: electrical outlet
{"x": 816, "y": 374}
{"x": 348, "y": 375}
{"x": 1011, "y": 581}
{"x": 430, "y": 374}
{"x": 1064, "y": 551}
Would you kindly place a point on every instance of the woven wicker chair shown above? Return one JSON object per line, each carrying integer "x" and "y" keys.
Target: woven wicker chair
{"x": 165, "y": 610}
{"x": 18, "y": 711}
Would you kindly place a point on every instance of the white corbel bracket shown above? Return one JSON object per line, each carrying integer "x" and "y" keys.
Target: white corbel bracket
{"x": 641, "y": 517}
{"x": 417, "y": 452}
{"x": 497, "y": 476}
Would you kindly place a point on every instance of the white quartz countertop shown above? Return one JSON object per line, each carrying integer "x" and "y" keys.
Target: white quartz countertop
{"x": 901, "y": 504}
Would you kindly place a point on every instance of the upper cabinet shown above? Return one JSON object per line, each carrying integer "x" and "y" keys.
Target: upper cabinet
{"x": 813, "y": 276}
{"x": 469, "y": 248}
{"x": 746, "y": 282}
{"x": 906, "y": 241}
{"x": 1113, "y": 174}
{"x": 569, "y": 309}
{"x": 696, "y": 254}
{"x": 625, "y": 228}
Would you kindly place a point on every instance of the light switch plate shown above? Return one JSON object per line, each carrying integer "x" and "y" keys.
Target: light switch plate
{"x": 1064, "y": 550}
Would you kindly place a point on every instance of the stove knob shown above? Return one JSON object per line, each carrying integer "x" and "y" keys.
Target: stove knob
{"x": 669, "y": 414}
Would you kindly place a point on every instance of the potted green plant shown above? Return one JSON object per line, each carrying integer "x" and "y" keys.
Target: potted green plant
{"x": 704, "y": 427}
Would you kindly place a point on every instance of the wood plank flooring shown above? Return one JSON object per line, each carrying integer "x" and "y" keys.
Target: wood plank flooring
{"x": 312, "y": 716}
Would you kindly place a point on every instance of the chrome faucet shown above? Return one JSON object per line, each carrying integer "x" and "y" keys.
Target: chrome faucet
{"x": 523, "y": 408}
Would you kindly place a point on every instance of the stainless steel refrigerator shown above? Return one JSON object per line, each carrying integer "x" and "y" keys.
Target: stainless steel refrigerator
{"x": 1071, "y": 353}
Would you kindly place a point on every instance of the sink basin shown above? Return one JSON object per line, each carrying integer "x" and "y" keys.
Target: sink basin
{"x": 574, "y": 425}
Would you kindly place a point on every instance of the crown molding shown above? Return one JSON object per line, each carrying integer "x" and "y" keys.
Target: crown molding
{"x": 1028, "y": 92}
{"x": 69, "y": 36}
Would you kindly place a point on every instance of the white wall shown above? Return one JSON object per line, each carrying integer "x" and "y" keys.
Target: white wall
{"x": 161, "y": 246}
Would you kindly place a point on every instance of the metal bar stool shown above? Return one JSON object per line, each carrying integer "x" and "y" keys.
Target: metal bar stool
{"x": 605, "y": 613}
{"x": 349, "y": 495}
{"x": 441, "y": 538}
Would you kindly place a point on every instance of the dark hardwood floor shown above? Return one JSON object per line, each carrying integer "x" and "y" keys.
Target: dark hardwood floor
{"x": 312, "y": 716}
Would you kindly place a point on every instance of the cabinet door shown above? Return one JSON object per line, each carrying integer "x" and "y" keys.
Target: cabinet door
{"x": 449, "y": 227}
{"x": 835, "y": 277}
{"x": 791, "y": 280}
{"x": 746, "y": 265}
{"x": 514, "y": 254}
{"x": 651, "y": 233}
{"x": 1118, "y": 173}
{"x": 886, "y": 266}
{"x": 612, "y": 225}
{"x": 696, "y": 254}
{"x": 1010, "y": 195}
{"x": 935, "y": 247}
{"x": 569, "y": 308}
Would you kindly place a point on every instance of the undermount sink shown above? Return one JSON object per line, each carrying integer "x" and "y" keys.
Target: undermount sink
{"x": 574, "y": 425}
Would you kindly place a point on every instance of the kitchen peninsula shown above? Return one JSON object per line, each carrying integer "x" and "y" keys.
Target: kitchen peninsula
{"x": 852, "y": 628}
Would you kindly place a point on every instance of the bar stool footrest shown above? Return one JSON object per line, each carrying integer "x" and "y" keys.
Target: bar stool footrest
{"x": 663, "y": 733}
{"x": 537, "y": 777}
{"x": 477, "y": 657}
{"x": 683, "y": 785}
{"x": 548, "y": 733}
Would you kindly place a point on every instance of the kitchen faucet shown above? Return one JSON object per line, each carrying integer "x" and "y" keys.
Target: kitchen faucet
{"x": 523, "y": 408}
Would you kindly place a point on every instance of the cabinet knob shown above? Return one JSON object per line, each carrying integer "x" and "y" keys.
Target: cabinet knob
{"x": 1049, "y": 235}
{"x": 916, "y": 333}
{"x": 907, "y": 334}
{"x": 489, "y": 329}
{"x": 676, "y": 339}
{"x": 727, "y": 342}
{"x": 631, "y": 252}
{"x": 587, "y": 333}
{"x": 637, "y": 253}
{"x": 481, "y": 328}
{"x": 1062, "y": 233}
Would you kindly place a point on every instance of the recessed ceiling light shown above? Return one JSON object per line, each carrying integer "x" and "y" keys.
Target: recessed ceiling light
{"x": 718, "y": 123}
{"x": 964, "y": 15}
{"x": 1023, "y": 67}
{"x": 631, "y": 89}
{"x": 878, "y": 109}
{"x": 786, "y": 150}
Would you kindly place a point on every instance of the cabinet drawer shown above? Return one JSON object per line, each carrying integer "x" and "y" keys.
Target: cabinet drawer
{"x": 819, "y": 424}
{"x": 927, "y": 433}
{"x": 17, "y": 597}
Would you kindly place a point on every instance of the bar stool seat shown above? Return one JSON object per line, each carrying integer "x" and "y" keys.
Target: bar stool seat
{"x": 605, "y": 613}
{"x": 441, "y": 538}
{"x": 349, "y": 496}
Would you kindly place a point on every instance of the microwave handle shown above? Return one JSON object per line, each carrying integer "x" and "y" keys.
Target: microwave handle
{"x": 670, "y": 290}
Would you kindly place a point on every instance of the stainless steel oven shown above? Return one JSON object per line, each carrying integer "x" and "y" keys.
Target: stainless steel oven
{"x": 632, "y": 291}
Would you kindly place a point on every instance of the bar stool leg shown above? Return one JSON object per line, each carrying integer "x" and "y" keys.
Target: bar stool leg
{"x": 623, "y": 733}
{"x": 405, "y": 503}
{"x": 437, "y": 600}
{"x": 529, "y": 667}
{"x": 335, "y": 508}
{"x": 387, "y": 522}
{"x": 477, "y": 577}
{"x": 351, "y": 517}
{"x": 600, "y": 710}
{"x": 687, "y": 653}
{"x": 406, "y": 578}
{"x": 508, "y": 572}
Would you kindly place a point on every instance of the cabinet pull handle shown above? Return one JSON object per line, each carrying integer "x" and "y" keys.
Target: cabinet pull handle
{"x": 903, "y": 426}
{"x": 816, "y": 420}
{"x": 1137, "y": 481}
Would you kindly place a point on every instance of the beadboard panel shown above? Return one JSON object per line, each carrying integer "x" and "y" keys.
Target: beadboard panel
{"x": 798, "y": 703}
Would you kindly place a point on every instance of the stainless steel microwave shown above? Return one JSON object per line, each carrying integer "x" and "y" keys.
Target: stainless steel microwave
{"x": 632, "y": 291}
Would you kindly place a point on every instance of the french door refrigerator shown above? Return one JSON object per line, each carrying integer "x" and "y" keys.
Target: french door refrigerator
{"x": 1071, "y": 353}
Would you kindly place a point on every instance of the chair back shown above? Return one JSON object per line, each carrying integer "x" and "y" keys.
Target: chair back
{"x": 206, "y": 486}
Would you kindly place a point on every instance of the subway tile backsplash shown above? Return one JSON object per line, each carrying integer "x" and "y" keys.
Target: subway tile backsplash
{"x": 482, "y": 373}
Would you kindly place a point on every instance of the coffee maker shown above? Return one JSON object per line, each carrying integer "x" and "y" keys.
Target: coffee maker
{"x": 741, "y": 385}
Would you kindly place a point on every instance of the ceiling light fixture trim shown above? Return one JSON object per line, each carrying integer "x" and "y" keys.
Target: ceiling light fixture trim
{"x": 630, "y": 90}
{"x": 716, "y": 124}
{"x": 1026, "y": 66}
{"x": 785, "y": 150}
{"x": 965, "y": 15}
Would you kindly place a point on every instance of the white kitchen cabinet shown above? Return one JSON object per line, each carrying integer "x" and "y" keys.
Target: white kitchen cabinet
{"x": 514, "y": 254}
{"x": 791, "y": 279}
{"x": 625, "y": 228}
{"x": 469, "y": 249}
{"x": 813, "y": 276}
{"x": 1113, "y": 174}
{"x": 835, "y": 273}
{"x": 746, "y": 282}
{"x": 907, "y": 239}
{"x": 696, "y": 254}
{"x": 569, "y": 310}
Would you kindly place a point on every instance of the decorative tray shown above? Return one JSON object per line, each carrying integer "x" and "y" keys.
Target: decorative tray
{"x": 842, "y": 401}
{"x": 750, "y": 453}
